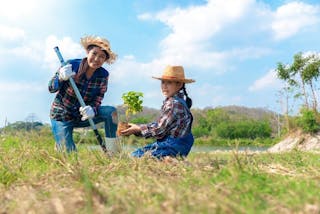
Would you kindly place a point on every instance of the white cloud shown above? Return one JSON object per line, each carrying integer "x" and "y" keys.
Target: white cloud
{"x": 193, "y": 30}
{"x": 10, "y": 34}
{"x": 15, "y": 8}
{"x": 145, "y": 16}
{"x": 269, "y": 81}
{"x": 69, "y": 50}
{"x": 194, "y": 27}
{"x": 214, "y": 95}
{"x": 12, "y": 10}
{"x": 291, "y": 18}
{"x": 191, "y": 41}
{"x": 14, "y": 87}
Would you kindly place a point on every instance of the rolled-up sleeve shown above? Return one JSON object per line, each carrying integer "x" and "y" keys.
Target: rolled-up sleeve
{"x": 54, "y": 84}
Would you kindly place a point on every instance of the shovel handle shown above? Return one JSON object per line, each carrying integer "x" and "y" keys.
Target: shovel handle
{"x": 80, "y": 99}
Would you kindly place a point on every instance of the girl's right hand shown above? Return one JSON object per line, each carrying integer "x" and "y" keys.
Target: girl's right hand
{"x": 133, "y": 129}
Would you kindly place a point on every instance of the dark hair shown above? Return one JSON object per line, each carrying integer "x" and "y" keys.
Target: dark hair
{"x": 188, "y": 99}
{"x": 90, "y": 47}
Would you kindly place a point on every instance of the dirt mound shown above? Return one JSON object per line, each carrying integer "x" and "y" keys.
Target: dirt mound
{"x": 298, "y": 140}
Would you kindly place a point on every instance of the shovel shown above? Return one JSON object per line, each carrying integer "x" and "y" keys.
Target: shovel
{"x": 80, "y": 99}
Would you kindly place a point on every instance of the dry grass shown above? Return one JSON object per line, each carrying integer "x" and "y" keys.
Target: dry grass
{"x": 36, "y": 179}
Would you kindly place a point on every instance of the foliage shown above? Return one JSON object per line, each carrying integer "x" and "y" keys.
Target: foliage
{"x": 244, "y": 129}
{"x": 141, "y": 120}
{"x": 308, "y": 120}
{"x": 21, "y": 125}
{"x": 301, "y": 76}
{"x": 230, "y": 125}
{"x": 132, "y": 100}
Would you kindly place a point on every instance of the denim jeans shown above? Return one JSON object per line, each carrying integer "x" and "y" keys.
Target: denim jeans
{"x": 62, "y": 130}
{"x": 169, "y": 146}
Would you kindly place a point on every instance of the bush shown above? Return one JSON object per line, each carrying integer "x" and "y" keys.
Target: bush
{"x": 308, "y": 120}
{"x": 244, "y": 129}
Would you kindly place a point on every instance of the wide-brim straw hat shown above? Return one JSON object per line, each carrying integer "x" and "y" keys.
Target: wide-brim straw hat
{"x": 100, "y": 42}
{"x": 174, "y": 73}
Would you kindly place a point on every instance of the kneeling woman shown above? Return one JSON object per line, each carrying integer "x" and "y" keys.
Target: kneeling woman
{"x": 92, "y": 81}
{"x": 172, "y": 129}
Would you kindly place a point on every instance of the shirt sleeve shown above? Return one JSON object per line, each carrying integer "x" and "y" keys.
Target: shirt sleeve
{"x": 54, "y": 84}
{"x": 161, "y": 127}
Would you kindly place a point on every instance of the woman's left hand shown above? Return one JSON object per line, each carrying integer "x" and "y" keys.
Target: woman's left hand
{"x": 133, "y": 129}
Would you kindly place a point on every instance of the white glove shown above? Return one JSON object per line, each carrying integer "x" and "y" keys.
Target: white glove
{"x": 87, "y": 112}
{"x": 66, "y": 72}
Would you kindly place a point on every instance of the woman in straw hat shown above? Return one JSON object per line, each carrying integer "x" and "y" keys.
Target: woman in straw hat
{"x": 172, "y": 129}
{"x": 92, "y": 81}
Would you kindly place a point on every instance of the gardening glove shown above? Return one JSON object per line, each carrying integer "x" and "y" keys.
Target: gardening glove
{"x": 87, "y": 112}
{"x": 66, "y": 72}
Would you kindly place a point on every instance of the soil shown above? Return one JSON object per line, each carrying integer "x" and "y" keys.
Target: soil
{"x": 122, "y": 126}
{"x": 299, "y": 141}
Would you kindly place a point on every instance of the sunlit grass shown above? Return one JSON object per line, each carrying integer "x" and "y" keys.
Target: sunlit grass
{"x": 35, "y": 178}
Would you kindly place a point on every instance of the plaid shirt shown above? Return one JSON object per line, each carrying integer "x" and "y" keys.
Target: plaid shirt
{"x": 175, "y": 120}
{"x": 65, "y": 106}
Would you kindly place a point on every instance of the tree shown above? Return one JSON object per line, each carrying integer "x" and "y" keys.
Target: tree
{"x": 301, "y": 76}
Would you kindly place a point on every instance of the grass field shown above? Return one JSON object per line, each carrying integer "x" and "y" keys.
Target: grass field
{"x": 36, "y": 179}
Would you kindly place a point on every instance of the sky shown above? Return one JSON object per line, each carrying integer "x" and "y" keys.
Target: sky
{"x": 230, "y": 47}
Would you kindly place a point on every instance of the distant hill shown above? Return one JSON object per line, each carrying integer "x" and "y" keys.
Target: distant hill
{"x": 235, "y": 112}
{"x": 252, "y": 113}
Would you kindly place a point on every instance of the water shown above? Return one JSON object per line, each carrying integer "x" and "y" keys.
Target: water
{"x": 202, "y": 148}
{"x": 195, "y": 148}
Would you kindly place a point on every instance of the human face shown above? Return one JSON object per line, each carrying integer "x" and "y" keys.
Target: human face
{"x": 96, "y": 57}
{"x": 169, "y": 88}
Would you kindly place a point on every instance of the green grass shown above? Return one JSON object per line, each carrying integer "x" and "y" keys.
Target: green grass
{"x": 35, "y": 178}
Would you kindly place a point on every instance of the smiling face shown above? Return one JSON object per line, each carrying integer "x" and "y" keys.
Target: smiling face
{"x": 96, "y": 57}
{"x": 169, "y": 88}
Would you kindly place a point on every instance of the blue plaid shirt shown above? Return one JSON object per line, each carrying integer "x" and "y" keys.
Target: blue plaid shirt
{"x": 65, "y": 106}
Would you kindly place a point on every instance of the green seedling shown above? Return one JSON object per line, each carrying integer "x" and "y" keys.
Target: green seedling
{"x": 132, "y": 100}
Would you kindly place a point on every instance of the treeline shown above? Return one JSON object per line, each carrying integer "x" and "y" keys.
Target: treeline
{"x": 221, "y": 123}
{"x": 21, "y": 125}
{"x": 213, "y": 126}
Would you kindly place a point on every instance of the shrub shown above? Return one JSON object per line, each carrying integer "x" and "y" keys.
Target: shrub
{"x": 308, "y": 120}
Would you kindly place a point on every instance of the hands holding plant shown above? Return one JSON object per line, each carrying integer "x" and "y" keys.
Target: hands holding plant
{"x": 133, "y": 129}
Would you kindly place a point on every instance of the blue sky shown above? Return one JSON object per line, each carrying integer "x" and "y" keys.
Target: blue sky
{"x": 230, "y": 47}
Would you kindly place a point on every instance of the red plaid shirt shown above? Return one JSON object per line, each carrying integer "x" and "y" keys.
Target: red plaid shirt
{"x": 65, "y": 106}
{"x": 175, "y": 120}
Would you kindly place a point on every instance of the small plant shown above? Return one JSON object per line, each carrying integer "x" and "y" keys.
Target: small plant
{"x": 133, "y": 102}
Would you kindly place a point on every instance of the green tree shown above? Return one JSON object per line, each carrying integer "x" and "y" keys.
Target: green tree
{"x": 301, "y": 75}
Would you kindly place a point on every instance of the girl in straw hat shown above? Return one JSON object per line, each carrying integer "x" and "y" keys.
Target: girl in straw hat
{"x": 172, "y": 129}
{"x": 92, "y": 81}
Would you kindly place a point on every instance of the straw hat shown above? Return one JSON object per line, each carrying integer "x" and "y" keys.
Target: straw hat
{"x": 174, "y": 73}
{"x": 102, "y": 43}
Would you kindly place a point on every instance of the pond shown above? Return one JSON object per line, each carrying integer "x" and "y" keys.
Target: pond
{"x": 196, "y": 148}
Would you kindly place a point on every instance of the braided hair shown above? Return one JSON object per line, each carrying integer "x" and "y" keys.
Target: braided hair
{"x": 188, "y": 99}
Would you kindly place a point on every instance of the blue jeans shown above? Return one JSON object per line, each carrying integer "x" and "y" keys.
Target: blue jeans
{"x": 62, "y": 130}
{"x": 169, "y": 146}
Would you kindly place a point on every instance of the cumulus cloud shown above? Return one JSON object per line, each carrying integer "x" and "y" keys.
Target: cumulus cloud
{"x": 10, "y": 34}
{"x": 69, "y": 49}
{"x": 268, "y": 81}
{"x": 18, "y": 87}
{"x": 290, "y": 18}
{"x": 193, "y": 28}
{"x": 191, "y": 40}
